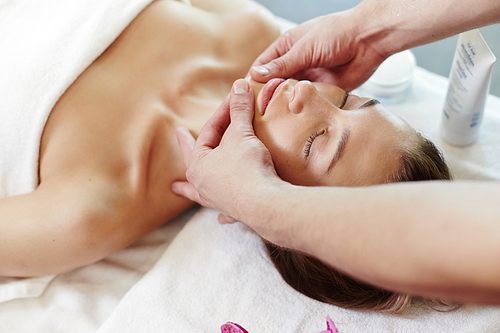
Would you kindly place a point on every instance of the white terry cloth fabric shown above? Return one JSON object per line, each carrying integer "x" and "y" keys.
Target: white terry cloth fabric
{"x": 214, "y": 273}
{"x": 45, "y": 46}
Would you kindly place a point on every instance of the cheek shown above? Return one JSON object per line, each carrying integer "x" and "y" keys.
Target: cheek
{"x": 287, "y": 153}
{"x": 332, "y": 93}
{"x": 276, "y": 137}
{"x": 280, "y": 140}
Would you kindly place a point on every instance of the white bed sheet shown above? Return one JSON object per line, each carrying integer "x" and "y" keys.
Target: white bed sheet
{"x": 195, "y": 276}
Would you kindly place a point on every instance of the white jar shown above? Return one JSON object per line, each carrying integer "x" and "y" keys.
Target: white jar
{"x": 391, "y": 82}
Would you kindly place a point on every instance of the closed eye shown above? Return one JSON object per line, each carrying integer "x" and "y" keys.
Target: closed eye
{"x": 344, "y": 100}
{"x": 307, "y": 148}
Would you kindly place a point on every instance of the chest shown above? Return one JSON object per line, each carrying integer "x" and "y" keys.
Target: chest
{"x": 172, "y": 66}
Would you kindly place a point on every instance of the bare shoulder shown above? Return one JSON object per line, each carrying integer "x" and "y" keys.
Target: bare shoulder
{"x": 223, "y": 6}
{"x": 232, "y": 24}
{"x": 229, "y": 10}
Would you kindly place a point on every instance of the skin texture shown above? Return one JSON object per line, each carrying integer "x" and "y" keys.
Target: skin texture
{"x": 302, "y": 127}
{"x": 108, "y": 151}
{"x": 437, "y": 239}
{"x": 431, "y": 246}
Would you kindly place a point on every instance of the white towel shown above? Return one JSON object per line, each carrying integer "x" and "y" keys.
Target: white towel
{"x": 44, "y": 47}
{"x": 12, "y": 288}
{"x": 213, "y": 273}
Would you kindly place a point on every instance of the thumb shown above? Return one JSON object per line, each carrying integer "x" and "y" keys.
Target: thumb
{"x": 242, "y": 104}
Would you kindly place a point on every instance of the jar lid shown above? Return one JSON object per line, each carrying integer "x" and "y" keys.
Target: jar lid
{"x": 395, "y": 70}
{"x": 391, "y": 82}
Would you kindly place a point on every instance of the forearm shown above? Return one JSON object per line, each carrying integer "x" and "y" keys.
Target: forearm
{"x": 431, "y": 239}
{"x": 391, "y": 26}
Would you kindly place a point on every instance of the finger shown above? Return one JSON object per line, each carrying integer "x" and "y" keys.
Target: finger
{"x": 188, "y": 191}
{"x": 324, "y": 75}
{"x": 242, "y": 103}
{"x": 223, "y": 219}
{"x": 284, "y": 66}
{"x": 186, "y": 142}
{"x": 214, "y": 128}
{"x": 277, "y": 48}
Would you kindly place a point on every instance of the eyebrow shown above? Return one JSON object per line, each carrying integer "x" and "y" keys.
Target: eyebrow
{"x": 340, "y": 147}
{"x": 371, "y": 102}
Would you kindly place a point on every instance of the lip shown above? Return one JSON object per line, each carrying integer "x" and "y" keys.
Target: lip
{"x": 268, "y": 92}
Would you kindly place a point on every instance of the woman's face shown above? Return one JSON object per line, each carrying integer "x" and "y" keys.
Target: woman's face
{"x": 319, "y": 136}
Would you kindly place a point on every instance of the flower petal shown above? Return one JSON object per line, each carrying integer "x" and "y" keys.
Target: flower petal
{"x": 330, "y": 326}
{"x": 230, "y": 327}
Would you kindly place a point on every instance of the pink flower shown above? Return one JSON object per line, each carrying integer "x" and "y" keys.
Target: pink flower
{"x": 330, "y": 326}
{"x": 235, "y": 328}
{"x": 232, "y": 328}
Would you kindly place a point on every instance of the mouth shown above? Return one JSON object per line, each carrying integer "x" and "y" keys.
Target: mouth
{"x": 268, "y": 92}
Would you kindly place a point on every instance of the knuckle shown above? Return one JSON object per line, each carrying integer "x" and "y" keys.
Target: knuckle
{"x": 190, "y": 175}
{"x": 240, "y": 105}
{"x": 280, "y": 65}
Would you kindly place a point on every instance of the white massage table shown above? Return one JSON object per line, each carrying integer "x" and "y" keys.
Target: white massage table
{"x": 193, "y": 275}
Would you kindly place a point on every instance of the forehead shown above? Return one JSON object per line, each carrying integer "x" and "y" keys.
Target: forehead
{"x": 373, "y": 152}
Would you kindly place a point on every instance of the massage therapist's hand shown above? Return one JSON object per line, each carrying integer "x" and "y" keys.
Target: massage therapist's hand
{"x": 227, "y": 162}
{"x": 326, "y": 49}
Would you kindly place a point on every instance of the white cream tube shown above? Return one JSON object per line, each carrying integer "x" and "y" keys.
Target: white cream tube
{"x": 470, "y": 79}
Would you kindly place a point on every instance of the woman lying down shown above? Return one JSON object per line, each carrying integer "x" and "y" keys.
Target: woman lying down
{"x": 109, "y": 153}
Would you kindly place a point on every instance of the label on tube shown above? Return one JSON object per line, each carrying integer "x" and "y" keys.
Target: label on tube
{"x": 470, "y": 78}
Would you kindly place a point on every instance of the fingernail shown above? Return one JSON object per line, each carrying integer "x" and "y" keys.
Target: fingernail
{"x": 261, "y": 70}
{"x": 240, "y": 87}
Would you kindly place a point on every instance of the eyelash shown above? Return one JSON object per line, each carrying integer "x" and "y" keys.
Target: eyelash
{"x": 344, "y": 101}
{"x": 310, "y": 141}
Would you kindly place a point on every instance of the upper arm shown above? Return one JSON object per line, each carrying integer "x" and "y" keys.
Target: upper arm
{"x": 56, "y": 228}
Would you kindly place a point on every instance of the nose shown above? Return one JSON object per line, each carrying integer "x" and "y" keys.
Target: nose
{"x": 303, "y": 93}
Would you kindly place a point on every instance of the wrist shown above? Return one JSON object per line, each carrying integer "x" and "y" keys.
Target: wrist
{"x": 378, "y": 28}
{"x": 391, "y": 26}
{"x": 260, "y": 207}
